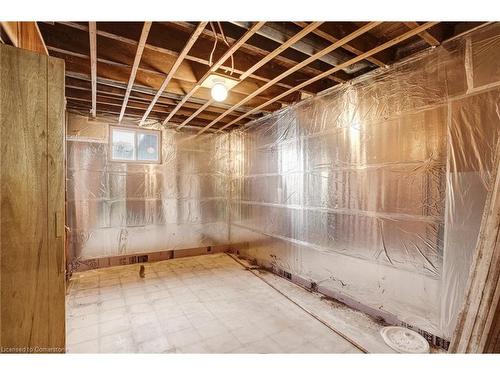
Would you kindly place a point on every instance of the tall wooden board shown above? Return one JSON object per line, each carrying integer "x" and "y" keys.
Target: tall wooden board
{"x": 32, "y": 191}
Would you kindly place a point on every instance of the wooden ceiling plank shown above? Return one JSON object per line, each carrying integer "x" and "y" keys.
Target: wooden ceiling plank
{"x": 180, "y": 58}
{"x": 372, "y": 52}
{"x": 93, "y": 65}
{"x": 135, "y": 66}
{"x": 323, "y": 52}
{"x": 306, "y": 30}
{"x": 425, "y": 35}
{"x": 216, "y": 66}
{"x": 346, "y": 46}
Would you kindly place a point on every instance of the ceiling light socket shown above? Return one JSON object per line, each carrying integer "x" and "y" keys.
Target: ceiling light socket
{"x": 219, "y": 85}
{"x": 219, "y": 91}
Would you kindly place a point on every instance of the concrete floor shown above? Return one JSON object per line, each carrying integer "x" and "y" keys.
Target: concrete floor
{"x": 204, "y": 304}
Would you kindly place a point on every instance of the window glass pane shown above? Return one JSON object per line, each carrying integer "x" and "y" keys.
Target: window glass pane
{"x": 123, "y": 145}
{"x": 147, "y": 146}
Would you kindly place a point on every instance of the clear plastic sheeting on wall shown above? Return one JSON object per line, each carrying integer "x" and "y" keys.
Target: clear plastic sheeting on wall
{"x": 375, "y": 190}
{"x": 117, "y": 208}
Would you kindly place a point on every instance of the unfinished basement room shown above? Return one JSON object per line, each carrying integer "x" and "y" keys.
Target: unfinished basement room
{"x": 306, "y": 187}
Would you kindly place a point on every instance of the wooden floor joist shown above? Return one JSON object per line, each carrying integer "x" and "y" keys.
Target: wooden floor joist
{"x": 294, "y": 39}
{"x": 346, "y": 46}
{"x": 425, "y": 35}
{"x": 279, "y": 64}
{"x": 375, "y": 50}
{"x": 166, "y": 51}
{"x": 195, "y": 113}
{"x": 286, "y": 62}
{"x": 306, "y": 30}
{"x": 192, "y": 39}
{"x": 316, "y": 56}
{"x": 93, "y": 65}
{"x": 193, "y": 102}
{"x": 216, "y": 66}
{"x": 135, "y": 66}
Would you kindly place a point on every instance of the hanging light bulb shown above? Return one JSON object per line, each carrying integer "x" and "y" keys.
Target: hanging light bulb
{"x": 219, "y": 91}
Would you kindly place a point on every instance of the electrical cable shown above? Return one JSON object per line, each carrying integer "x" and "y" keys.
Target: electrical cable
{"x": 227, "y": 44}
{"x": 215, "y": 44}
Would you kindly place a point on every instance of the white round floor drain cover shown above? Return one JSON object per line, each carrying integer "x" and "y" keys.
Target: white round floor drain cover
{"x": 404, "y": 340}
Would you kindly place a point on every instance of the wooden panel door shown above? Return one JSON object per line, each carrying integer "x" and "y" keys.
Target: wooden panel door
{"x": 32, "y": 304}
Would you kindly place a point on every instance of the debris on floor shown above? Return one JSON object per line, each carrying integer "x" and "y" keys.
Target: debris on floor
{"x": 204, "y": 304}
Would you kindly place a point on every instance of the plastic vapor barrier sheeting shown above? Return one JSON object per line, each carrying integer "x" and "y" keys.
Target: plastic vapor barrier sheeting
{"x": 374, "y": 190}
{"x": 117, "y": 208}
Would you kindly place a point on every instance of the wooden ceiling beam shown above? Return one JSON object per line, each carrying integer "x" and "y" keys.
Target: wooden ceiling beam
{"x": 101, "y": 60}
{"x": 135, "y": 66}
{"x": 252, "y": 49}
{"x": 216, "y": 66}
{"x": 364, "y": 43}
{"x": 140, "y": 98}
{"x": 180, "y": 58}
{"x": 146, "y": 90}
{"x": 133, "y": 113}
{"x": 93, "y": 64}
{"x": 170, "y": 52}
{"x": 294, "y": 39}
{"x": 158, "y": 110}
{"x": 24, "y": 35}
{"x": 425, "y": 35}
{"x": 346, "y": 46}
{"x": 323, "y": 52}
{"x": 145, "y": 99}
{"x": 148, "y": 75}
{"x": 306, "y": 30}
{"x": 195, "y": 114}
{"x": 83, "y": 94}
{"x": 372, "y": 52}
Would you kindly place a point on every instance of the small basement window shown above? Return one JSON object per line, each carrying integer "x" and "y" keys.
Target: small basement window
{"x": 134, "y": 145}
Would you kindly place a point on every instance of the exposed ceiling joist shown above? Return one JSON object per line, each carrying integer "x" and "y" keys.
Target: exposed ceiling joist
{"x": 346, "y": 46}
{"x": 93, "y": 65}
{"x": 195, "y": 114}
{"x": 323, "y": 52}
{"x": 148, "y": 79}
{"x": 157, "y": 113}
{"x": 308, "y": 46}
{"x": 109, "y": 93}
{"x": 216, "y": 66}
{"x": 287, "y": 44}
{"x": 153, "y": 75}
{"x": 372, "y": 52}
{"x": 250, "y": 48}
{"x": 135, "y": 66}
{"x": 146, "y": 90}
{"x": 192, "y": 39}
{"x": 167, "y": 51}
{"x": 425, "y": 35}
{"x": 306, "y": 30}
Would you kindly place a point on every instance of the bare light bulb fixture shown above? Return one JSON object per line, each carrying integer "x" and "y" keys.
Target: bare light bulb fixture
{"x": 219, "y": 91}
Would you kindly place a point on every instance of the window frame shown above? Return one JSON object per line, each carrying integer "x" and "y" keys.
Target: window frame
{"x": 136, "y": 132}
